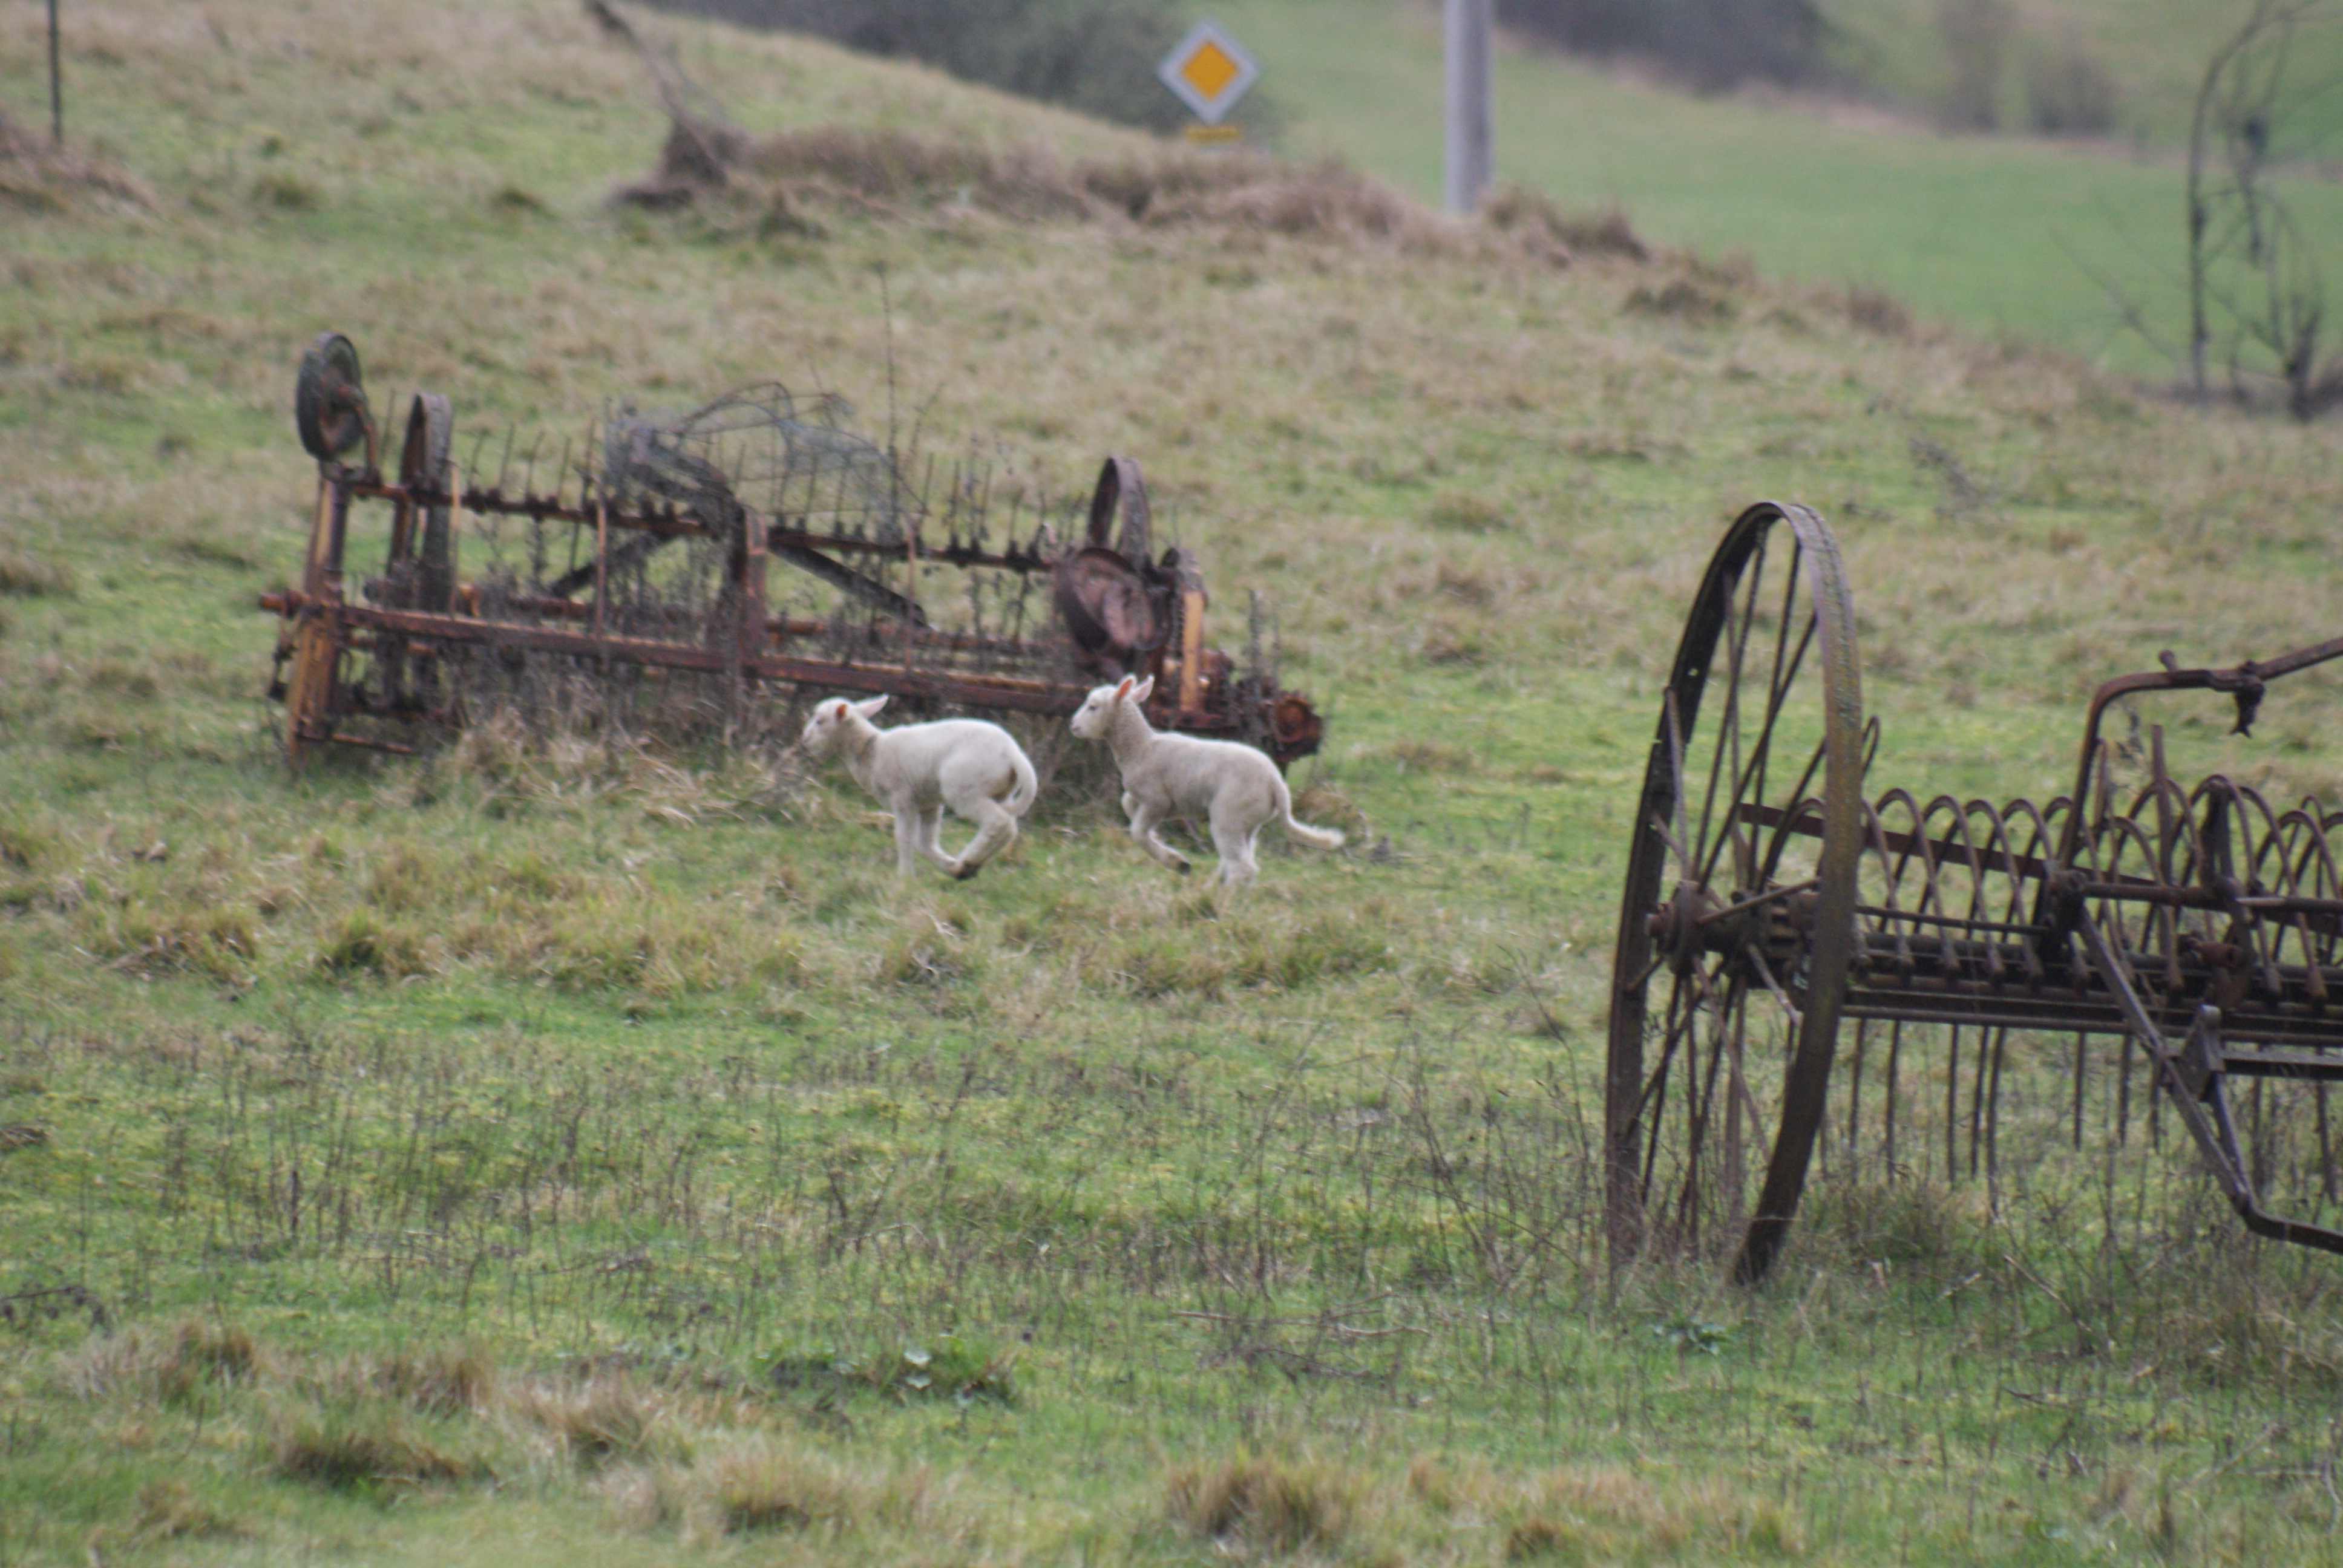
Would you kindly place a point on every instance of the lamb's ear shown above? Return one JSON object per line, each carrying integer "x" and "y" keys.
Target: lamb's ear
{"x": 1123, "y": 689}
{"x": 871, "y": 709}
{"x": 838, "y": 712}
{"x": 1142, "y": 691}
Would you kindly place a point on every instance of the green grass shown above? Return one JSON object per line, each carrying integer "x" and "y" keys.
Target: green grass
{"x": 1999, "y": 235}
{"x": 446, "y": 1153}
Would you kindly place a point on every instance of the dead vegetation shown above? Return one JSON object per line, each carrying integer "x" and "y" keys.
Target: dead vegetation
{"x": 37, "y": 176}
{"x": 777, "y": 183}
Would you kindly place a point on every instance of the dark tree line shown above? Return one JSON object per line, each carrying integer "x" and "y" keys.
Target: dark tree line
{"x": 1713, "y": 44}
{"x": 1095, "y": 56}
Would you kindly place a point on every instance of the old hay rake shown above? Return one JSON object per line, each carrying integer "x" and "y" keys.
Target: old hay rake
{"x": 638, "y": 578}
{"x": 1898, "y": 984}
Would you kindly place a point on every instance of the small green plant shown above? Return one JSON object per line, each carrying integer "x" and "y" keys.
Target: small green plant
{"x": 946, "y": 1366}
{"x": 1691, "y": 1336}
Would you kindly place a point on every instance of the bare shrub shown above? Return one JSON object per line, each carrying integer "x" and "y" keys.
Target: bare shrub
{"x": 2070, "y": 93}
{"x": 1974, "y": 34}
{"x": 1874, "y": 310}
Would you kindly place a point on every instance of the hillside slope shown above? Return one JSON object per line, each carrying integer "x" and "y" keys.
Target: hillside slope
{"x": 567, "y": 1146}
{"x": 2001, "y": 235}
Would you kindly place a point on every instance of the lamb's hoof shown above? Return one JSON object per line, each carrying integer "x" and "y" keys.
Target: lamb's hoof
{"x": 966, "y": 872}
{"x": 1182, "y": 868}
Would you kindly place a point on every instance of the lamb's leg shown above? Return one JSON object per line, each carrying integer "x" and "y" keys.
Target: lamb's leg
{"x": 907, "y": 838}
{"x": 932, "y": 828}
{"x": 1233, "y": 839}
{"x": 995, "y": 829}
{"x": 1144, "y": 816}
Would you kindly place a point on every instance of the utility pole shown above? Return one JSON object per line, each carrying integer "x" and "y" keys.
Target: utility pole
{"x": 1467, "y": 27}
{"x": 56, "y": 84}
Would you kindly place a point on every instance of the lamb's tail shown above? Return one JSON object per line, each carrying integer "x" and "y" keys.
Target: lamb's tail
{"x": 1316, "y": 838}
{"x": 1021, "y": 792}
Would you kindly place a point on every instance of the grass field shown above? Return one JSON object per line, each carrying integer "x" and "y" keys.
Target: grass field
{"x": 578, "y": 1149}
{"x": 1998, "y": 235}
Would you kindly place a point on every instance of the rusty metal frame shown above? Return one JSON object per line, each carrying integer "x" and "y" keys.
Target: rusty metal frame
{"x": 2199, "y": 915}
{"x": 419, "y": 611}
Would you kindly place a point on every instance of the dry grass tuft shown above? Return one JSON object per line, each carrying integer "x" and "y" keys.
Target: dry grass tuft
{"x": 1270, "y": 1505}
{"x": 1688, "y": 300}
{"x": 1613, "y": 1515}
{"x": 448, "y": 1380}
{"x": 168, "y": 1367}
{"x": 603, "y": 1421}
{"x": 166, "y": 934}
{"x": 366, "y": 1447}
{"x": 1533, "y": 218}
{"x": 1874, "y": 310}
{"x": 762, "y": 1485}
{"x": 29, "y": 577}
{"x": 169, "y": 1511}
{"x": 37, "y": 176}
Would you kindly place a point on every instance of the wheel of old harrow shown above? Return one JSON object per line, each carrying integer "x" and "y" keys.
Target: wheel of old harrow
{"x": 329, "y": 406}
{"x": 423, "y": 463}
{"x": 1737, "y": 920}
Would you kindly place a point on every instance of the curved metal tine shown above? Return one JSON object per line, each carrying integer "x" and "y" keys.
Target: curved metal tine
{"x": 1893, "y": 861}
{"x": 1995, "y": 848}
{"x": 2039, "y": 846}
{"x": 1728, "y": 724}
{"x": 2160, "y": 921}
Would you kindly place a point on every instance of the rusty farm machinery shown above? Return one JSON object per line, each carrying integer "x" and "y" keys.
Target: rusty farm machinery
{"x": 641, "y": 567}
{"x": 1894, "y": 984}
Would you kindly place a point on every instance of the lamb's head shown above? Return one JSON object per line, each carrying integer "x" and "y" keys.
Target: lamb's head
{"x": 834, "y": 716}
{"x": 1095, "y": 717}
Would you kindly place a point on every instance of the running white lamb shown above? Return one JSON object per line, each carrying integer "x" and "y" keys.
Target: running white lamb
{"x": 918, "y": 769}
{"x": 1233, "y": 786}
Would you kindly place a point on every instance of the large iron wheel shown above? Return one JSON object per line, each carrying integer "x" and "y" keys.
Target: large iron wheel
{"x": 1738, "y": 915}
{"x": 329, "y": 407}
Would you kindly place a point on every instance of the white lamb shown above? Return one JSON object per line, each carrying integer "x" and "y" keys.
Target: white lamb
{"x": 1233, "y": 786}
{"x": 918, "y": 769}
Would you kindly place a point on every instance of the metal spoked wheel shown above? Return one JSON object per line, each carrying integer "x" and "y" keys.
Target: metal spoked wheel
{"x": 329, "y": 407}
{"x": 1736, "y": 923}
{"x": 419, "y": 531}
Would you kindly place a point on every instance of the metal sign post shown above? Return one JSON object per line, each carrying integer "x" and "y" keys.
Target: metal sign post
{"x": 1467, "y": 26}
{"x": 56, "y": 84}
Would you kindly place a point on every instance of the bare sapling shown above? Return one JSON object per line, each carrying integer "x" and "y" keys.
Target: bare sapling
{"x": 1233, "y": 788}
{"x": 917, "y": 770}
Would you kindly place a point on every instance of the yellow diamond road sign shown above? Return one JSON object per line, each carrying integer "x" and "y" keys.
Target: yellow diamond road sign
{"x": 1210, "y": 70}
